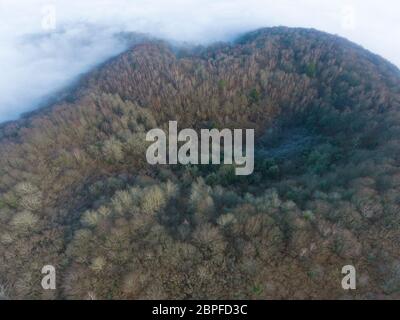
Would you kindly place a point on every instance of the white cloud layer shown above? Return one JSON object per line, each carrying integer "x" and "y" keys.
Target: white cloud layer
{"x": 32, "y": 67}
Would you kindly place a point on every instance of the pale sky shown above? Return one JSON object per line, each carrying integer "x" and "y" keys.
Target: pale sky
{"x": 76, "y": 35}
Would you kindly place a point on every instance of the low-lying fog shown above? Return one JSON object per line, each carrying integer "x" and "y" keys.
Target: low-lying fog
{"x": 44, "y": 45}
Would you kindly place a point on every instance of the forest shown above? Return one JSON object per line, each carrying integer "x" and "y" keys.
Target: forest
{"x": 77, "y": 192}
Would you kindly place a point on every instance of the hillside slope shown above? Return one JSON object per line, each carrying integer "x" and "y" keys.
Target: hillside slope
{"x": 76, "y": 190}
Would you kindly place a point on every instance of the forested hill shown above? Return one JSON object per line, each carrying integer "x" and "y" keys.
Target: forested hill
{"x": 76, "y": 190}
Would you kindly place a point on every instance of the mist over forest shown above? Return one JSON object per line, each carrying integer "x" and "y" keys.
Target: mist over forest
{"x": 41, "y": 54}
